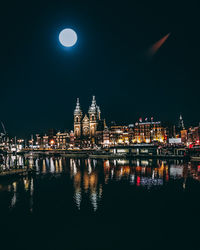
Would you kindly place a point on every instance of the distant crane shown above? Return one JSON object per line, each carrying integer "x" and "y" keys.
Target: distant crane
{"x": 3, "y": 135}
{"x": 4, "y": 130}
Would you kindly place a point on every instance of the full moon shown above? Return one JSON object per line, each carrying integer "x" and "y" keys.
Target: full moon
{"x": 68, "y": 37}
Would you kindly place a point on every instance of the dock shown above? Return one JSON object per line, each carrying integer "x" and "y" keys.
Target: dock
{"x": 15, "y": 172}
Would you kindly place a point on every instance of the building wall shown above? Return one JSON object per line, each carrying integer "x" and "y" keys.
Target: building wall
{"x": 194, "y": 135}
{"x": 77, "y": 125}
{"x": 86, "y": 127}
{"x": 147, "y": 132}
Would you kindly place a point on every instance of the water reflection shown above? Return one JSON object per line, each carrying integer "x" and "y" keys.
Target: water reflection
{"x": 90, "y": 178}
{"x": 85, "y": 181}
{"x": 137, "y": 172}
{"x": 14, "y": 195}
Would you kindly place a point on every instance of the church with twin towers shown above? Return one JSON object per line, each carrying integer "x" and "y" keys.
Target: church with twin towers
{"x": 87, "y": 125}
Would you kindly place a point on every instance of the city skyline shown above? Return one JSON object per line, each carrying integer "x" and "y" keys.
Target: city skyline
{"x": 91, "y": 130}
{"x": 84, "y": 110}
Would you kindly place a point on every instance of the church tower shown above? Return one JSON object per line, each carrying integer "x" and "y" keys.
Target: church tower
{"x": 94, "y": 115}
{"x": 77, "y": 120}
{"x": 98, "y": 113}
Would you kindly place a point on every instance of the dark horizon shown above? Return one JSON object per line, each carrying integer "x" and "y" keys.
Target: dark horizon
{"x": 40, "y": 79}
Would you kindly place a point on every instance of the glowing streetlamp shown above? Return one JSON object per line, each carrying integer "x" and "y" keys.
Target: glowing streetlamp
{"x": 52, "y": 143}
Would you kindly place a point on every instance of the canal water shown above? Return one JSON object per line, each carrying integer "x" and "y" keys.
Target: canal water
{"x": 100, "y": 204}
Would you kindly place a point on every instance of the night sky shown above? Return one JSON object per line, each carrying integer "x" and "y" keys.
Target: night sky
{"x": 40, "y": 79}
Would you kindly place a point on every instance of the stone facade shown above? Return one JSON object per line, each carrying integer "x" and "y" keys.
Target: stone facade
{"x": 86, "y": 127}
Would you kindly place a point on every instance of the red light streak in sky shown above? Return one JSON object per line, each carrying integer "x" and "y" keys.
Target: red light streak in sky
{"x": 156, "y": 46}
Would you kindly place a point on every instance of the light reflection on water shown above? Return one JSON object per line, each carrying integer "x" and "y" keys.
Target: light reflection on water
{"x": 89, "y": 177}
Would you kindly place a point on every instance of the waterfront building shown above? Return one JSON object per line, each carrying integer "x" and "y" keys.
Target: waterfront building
{"x": 121, "y": 135}
{"x": 194, "y": 135}
{"x": 62, "y": 140}
{"x": 45, "y": 141}
{"x": 184, "y": 136}
{"x": 38, "y": 140}
{"x": 41, "y": 141}
{"x": 141, "y": 132}
{"x": 4, "y": 142}
{"x": 20, "y": 144}
{"x": 106, "y": 137}
{"x": 148, "y": 132}
{"x": 78, "y": 114}
{"x": 71, "y": 139}
{"x": 88, "y": 129}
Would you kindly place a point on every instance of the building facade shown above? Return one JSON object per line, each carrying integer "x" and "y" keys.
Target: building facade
{"x": 86, "y": 127}
{"x": 140, "y": 132}
{"x": 147, "y": 132}
{"x": 194, "y": 135}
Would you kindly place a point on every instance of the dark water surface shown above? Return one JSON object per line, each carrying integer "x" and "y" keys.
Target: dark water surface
{"x": 101, "y": 204}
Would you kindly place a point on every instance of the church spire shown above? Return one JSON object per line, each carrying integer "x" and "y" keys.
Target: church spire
{"x": 93, "y": 107}
{"x": 77, "y": 119}
{"x": 77, "y": 110}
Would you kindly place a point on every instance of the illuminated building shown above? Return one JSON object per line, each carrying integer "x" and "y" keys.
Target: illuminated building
{"x": 86, "y": 128}
{"x": 148, "y": 132}
{"x": 62, "y": 140}
{"x": 141, "y": 132}
{"x": 94, "y": 116}
{"x": 71, "y": 140}
{"x": 184, "y": 136}
{"x": 121, "y": 135}
{"x": 194, "y": 135}
{"x": 20, "y": 144}
{"x": 77, "y": 119}
{"x": 106, "y": 137}
{"x": 45, "y": 141}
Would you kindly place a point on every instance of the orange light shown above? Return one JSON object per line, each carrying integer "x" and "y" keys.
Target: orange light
{"x": 52, "y": 142}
